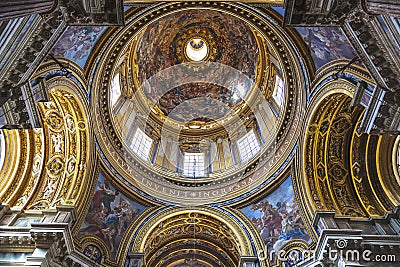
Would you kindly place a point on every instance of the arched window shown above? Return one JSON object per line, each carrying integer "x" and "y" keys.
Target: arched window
{"x": 141, "y": 144}
{"x": 279, "y": 92}
{"x": 194, "y": 165}
{"x": 115, "y": 89}
{"x": 248, "y": 146}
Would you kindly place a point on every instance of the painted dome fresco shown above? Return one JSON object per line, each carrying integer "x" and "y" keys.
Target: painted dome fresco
{"x": 199, "y": 133}
{"x": 192, "y": 38}
{"x": 198, "y": 100}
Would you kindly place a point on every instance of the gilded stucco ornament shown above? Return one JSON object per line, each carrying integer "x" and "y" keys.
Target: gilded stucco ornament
{"x": 159, "y": 179}
{"x": 211, "y": 225}
{"x": 196, "y": 43}
{"x": 55, "y": 156}
{"x": 335, "y": 173}
{"x": 67, "y": 149}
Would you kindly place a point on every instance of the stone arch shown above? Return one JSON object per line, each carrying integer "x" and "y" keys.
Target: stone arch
{"x": 212, "y": 235}
{"x": 49, "y": 166}
{"x": 339, "y": 169}
{"x": 19, "y": 164}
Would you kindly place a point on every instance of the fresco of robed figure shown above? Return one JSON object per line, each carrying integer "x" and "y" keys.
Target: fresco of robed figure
{"x": 110, "y": 215}
{"x": 277, "y": 217}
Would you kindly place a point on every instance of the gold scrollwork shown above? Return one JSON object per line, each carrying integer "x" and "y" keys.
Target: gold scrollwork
{"x": 66, "y": 148}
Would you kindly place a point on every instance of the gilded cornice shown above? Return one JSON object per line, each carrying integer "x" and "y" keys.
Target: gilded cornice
{"x": 16, "y": 240}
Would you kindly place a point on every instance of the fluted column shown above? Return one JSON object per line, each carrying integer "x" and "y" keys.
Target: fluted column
{"x": 10, "y": 9}
{"x": 382, "y": 7}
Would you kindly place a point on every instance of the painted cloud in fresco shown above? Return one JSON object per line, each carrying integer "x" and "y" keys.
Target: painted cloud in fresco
{"x": 110, "y": 215}
{"x": 277, "y": 217}
{"x": 160, "y": 47}
{"x": 326, "y": 44}
{"x": 77, "y": 42}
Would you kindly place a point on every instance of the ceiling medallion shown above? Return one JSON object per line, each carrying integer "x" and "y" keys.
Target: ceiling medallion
{"x": 195, "y": 44}
{"x": 196, "y": 49}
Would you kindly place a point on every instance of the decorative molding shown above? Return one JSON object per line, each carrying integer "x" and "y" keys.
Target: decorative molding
{"x": 319, "y": 12}
{"x": 138, "y": 243}
{"x": 143, "y": 176}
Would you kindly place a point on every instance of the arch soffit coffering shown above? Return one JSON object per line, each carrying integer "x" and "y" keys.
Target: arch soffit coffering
{"x": 53, "y": 163}
{"x": 324, "y": 91}
{"x": 144, "y": 230}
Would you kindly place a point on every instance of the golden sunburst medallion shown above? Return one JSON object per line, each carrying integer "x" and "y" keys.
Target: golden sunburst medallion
{"x": 196, "y": 44}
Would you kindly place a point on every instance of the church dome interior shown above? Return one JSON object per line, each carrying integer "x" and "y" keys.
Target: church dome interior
{"x": 183, "y": 134}
{"x": 198, "y": 125}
